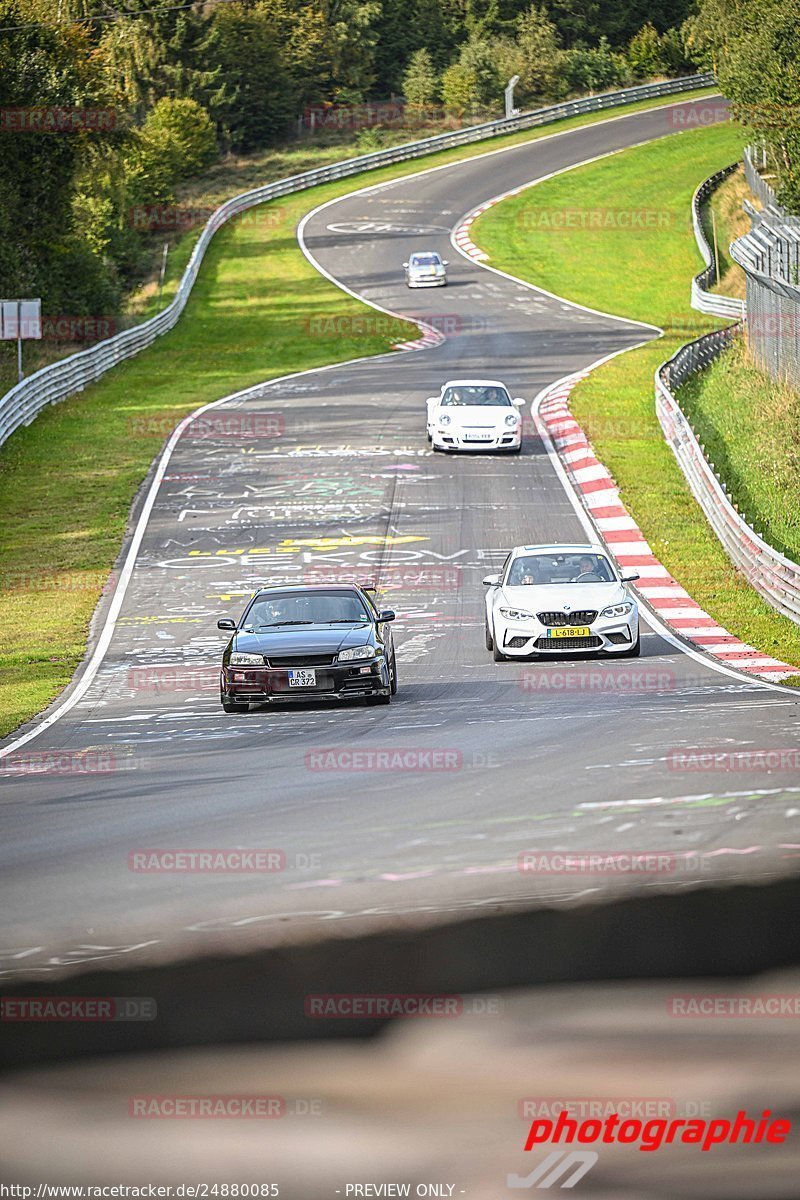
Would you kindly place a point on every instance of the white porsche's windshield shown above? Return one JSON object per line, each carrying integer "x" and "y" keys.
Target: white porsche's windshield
{"x": 478, "y": 394}
{"x": 549, "y": 569}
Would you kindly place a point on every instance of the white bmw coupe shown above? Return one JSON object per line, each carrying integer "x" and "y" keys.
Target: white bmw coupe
{"x": 474, "y": 414}
{"x": 558, "y": 600}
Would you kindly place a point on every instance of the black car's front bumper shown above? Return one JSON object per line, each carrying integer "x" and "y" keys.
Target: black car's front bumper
{"x": 345, "y": 681}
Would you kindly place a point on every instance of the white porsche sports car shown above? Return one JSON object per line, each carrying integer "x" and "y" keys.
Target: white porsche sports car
{"x": 474, "y": 414}
{"x": 426, "y": 268}
{"x": 558, "y": 600}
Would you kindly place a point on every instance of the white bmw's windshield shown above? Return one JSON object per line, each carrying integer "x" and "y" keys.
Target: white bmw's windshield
{"x": 549, "y": 569}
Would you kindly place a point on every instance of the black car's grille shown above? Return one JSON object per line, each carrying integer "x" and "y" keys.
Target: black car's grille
{"x": 573, "y": 643}
{"x": 583, "y": 616}
{"x": 301, "y": 660}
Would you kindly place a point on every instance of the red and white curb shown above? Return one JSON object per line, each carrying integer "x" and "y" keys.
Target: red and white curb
{"x": 430, "y": 337}
{"x": 626, "y": 542}
{"x": 461, "y": 232}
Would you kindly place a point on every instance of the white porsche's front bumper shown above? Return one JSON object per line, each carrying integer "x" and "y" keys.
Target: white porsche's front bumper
{"x": 456, "y": 439}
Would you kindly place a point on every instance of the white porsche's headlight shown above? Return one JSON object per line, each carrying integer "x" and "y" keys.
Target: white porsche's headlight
{"x": 617, "y": 610}
{"x": 516, "y": 614}
{"x": 512, "y": 419}
{"x": 356, "y": 652}
{"x": 238, "y": 659}
{"x": 444, "y": 419}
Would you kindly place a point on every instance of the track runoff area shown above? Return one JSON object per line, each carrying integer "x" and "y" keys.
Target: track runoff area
{"x": 433, "y": 803}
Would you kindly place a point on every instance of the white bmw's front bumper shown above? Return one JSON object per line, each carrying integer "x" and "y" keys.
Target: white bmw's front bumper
{"x": 426, "y": 281}
{"x": 607, "y": 635}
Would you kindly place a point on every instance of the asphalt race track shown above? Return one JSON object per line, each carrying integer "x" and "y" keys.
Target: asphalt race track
{"x": 328, "y": 476}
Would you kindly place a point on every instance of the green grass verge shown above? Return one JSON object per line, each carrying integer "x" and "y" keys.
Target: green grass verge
{"x": 750, "y": 426}
{"x": 68, "y": 480}
{"x": 574, "y": 236}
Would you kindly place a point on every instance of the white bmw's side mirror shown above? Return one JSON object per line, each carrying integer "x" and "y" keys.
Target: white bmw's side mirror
{"x": 492, "y": 580}
{"x": 405, "y": 265}
{"x": 629, "y": 576}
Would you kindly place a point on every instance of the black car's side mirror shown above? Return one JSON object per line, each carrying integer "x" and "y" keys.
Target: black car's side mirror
{"x": 226, "y": 623}
{"x": 386, "y": 614}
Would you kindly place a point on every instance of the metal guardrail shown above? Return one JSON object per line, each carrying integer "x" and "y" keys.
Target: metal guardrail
{"x": 769, "y": 255}
{"x": 773, "y": 576}
{"x": 702, "y": 299}
{"x": 23, "y": 403}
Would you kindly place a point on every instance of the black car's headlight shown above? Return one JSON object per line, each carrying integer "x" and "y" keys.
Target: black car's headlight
{"x": 239, "y": 659}
{"x": 356, "y": 652}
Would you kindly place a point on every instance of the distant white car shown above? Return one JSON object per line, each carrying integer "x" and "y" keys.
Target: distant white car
{"x": 426, "y": 269}
{"x": 558, "y": 600}
{"x": 474, "y": 414}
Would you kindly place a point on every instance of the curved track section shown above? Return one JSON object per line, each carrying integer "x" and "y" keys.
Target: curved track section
{"x": 425, "y": 807}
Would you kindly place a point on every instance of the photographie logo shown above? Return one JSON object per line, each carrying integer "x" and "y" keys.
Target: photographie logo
{"x": 78, "y": 1008}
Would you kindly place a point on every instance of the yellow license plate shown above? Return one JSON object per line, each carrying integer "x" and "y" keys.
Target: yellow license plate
{"x": 569, "y": 631}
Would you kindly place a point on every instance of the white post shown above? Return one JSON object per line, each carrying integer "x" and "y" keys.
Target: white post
{"x": 509, "y": 96}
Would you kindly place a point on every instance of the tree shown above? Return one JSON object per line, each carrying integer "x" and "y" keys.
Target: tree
{"x": 645, "y": 57}
{"x": 420, "y": 82}
{"x": 253, "y": 60}
{"x": 539, "y": 49}
{"x": 458, "y": 88}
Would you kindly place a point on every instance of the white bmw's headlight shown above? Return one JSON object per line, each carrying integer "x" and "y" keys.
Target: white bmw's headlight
{"x": 512, "y": 419}
{"x": 238, "y": 659}
{"x": 617, "y": 610}
{"x": 516, "y": 614}
{"x": 356, "y": 652}
{"x": 444, "y": 419}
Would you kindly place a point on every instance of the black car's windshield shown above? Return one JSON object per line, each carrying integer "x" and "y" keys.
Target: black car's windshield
{"x": 544, "y": 569}
{"x": 305, "y": 608}
{"x": 475, "y": 394}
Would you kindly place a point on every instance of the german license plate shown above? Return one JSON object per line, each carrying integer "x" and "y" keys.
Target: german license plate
{"x": 569, "y": 631}
{"x": 302, "y": 678}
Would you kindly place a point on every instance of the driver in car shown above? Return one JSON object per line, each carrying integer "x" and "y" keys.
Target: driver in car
{"x": 586, "y": 567}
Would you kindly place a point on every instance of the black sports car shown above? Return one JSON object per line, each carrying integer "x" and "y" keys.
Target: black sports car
{"x": 298, "y": 643}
